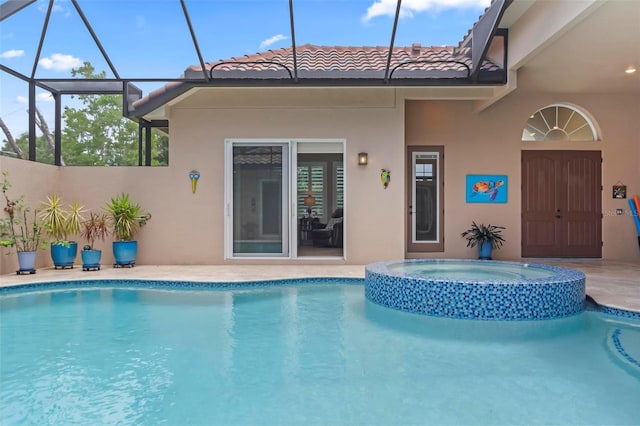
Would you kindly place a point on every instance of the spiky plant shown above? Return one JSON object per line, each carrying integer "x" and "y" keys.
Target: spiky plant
{"x": 126, "y": 217}
{"x": 96, "y": 227}
{"x": 479, "y": 234}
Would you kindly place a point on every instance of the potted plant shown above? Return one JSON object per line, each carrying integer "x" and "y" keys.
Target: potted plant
{"x": 19, "y": 231}
{"x": 60, "y": 221}
{"x": 96, "y": 227}
{"x": 485, "y": 237}
{"x": 126, "y": 218}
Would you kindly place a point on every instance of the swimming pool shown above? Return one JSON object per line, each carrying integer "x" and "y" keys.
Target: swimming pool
{"x": 298, "y": 352}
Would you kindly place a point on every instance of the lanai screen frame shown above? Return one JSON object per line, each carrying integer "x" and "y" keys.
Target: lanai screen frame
{"x": 478, "y": 39}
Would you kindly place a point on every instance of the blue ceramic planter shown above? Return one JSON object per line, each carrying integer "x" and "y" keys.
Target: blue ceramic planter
{"x": 63, "y": 256}
{"x": 484, "y": 250}
{"x": 91, "y": 259}
{"x": 26, "y": 261}
{"x": 124, "y": 252}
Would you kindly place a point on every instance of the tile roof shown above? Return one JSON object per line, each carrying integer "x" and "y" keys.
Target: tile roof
{"x": 346, "y": 62}
{"x": 317, "y": 63}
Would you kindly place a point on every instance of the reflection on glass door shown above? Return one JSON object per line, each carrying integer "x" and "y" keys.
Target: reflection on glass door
{"x": 424, "y": 184}
{"x": 319, "y": 183}
{"x": 260, "y": 198}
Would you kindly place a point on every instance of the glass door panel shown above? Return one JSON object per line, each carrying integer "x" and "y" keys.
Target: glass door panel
{"x": 260, "y": 223}
{"x": 424, "y": 181}
{"x": 425, "y": 203}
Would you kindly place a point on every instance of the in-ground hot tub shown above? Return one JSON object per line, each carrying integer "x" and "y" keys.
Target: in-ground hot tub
{"x": 476, "y": 289}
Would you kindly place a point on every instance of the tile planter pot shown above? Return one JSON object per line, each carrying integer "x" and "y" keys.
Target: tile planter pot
{"x": 26, "y": 262}
{"x": 63, "y": 256}
{"x": 124, "y": 253}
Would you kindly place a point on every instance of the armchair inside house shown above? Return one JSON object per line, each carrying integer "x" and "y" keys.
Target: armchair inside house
{"x": 329, "y": 234}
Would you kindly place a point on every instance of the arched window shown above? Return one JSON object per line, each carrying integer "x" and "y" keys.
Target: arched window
{"x": 559, "y": 123}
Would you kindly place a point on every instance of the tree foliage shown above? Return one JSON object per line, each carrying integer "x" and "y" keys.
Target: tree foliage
{"x": 95, "y": 133}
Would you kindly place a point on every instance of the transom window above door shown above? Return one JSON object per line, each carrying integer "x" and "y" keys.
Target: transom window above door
{"x": 559, "y": 123}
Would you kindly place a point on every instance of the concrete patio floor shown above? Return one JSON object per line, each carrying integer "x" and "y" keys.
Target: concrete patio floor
{"x": 610, "y": 283}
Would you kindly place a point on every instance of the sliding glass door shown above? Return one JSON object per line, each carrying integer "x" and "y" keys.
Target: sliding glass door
{"x": 258, "y": 199}
{"x": 278, "y": 192}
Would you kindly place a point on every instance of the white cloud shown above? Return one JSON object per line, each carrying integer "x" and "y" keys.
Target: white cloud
{"x": 271, "y": 40}
{"x": 410, "y": 7}
{"x": 9, "y": 54}
{"x": 44, "y": 97}
{"x": 60, "y": 62}
{"x": 43, "y": 5}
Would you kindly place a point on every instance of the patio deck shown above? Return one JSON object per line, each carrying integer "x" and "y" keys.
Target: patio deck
{"x": 610, "y": 283}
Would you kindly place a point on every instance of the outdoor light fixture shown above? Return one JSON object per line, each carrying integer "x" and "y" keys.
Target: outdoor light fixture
{"x": 363, "y": 159}
{"x": 630, "y": 69}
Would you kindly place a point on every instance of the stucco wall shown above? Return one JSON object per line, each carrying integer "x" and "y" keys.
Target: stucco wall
{"x": 187, "y": 228}
{"x": 489, "y": 142}
{"x": 33, "y": 181}
{"x": 93, "y": 187}
{"x": 369, "y": 121}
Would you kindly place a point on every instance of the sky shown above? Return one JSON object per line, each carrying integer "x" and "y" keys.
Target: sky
{"x": 150, "y": 38}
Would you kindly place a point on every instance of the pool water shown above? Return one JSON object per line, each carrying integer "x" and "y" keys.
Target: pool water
{"x": 476, "y": 271}
{"x": 298, "y": 354}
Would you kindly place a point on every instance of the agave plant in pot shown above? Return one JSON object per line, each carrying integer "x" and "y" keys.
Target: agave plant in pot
{"x": 60, "y": 221}
{"x": 96, "y": 227}
{"x": 485, "y": 237}
{"x": 126, "y": 219}
{"x": 20, "y": 228}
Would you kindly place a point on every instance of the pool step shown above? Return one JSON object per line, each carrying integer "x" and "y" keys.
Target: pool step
{"x": 624, "y": 344}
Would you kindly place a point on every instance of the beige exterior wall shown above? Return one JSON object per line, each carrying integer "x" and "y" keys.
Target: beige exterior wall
{"x": 187, "y": 228}
{"x": 33, "y": 181}
{"x": 369, "y": 120}
{"x": 489, "y": 142}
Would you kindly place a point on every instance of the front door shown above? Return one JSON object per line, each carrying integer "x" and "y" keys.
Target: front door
{"x": 561, "y": 204}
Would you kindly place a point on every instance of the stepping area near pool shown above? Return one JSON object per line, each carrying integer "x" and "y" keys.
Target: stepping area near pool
{"x": 610, "y": 283}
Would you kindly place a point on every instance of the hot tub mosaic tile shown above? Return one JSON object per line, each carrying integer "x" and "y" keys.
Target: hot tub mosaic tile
{"x": 560, "y": 294}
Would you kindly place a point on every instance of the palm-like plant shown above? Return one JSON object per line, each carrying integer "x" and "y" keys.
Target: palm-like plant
{"x": 479, "y": 234}
{"x": 59, "y": 221}
{"x": 126, "y": 217}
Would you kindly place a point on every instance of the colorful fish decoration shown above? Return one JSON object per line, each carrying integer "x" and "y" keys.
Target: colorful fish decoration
{"x": 385, "y": 177}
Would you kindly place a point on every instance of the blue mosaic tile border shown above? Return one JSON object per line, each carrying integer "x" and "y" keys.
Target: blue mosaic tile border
{"x": 616, "y": 312}
{"x": 193, "y": 285}
{"x": 557, "y": 295}
{"x": 171, "y": 285}
{"x": 615, "y": 338}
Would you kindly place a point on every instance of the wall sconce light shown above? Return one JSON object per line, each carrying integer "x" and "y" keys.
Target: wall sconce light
{"x": 363, "y": 159}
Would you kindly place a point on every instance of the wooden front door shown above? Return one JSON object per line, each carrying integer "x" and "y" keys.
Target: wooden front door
{"x": 561, "y": 204}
